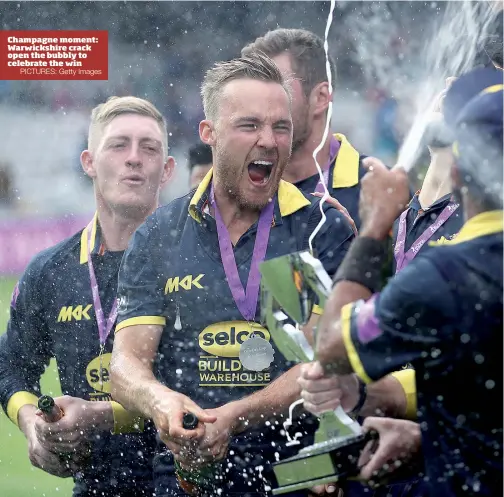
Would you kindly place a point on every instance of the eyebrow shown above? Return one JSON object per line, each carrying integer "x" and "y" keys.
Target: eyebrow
{"x": 127, "y": 138}
{"x": 256, "y": 120}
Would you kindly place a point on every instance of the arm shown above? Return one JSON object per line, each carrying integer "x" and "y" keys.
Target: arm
{"x": 138, "y": 333}
{"x": 133, "y": 383}
{"x": 24, "y": 354}
{"x": 25, "y": 347}
{"x": 376, "y": 337}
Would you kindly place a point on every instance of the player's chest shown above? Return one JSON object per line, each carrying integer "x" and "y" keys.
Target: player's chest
{"x": 196, "y": 277}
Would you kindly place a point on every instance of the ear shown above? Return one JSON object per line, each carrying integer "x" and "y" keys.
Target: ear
{"x": 87, "y": 163}
{"x": 206, "y": 132}
{"x": 168, "y": 170}
{"x": 320, "y": 98}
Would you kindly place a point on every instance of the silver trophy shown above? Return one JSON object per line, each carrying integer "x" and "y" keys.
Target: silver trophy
{"x": 290, "y": 286}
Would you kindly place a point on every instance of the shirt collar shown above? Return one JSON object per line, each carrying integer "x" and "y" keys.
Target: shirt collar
{"x": 94, "y": 240}
{"x": 440, "y": 202}
{"x": 346, "y": 166}
{"x": 486, "y": 223}
{"x": 290, "y": 199}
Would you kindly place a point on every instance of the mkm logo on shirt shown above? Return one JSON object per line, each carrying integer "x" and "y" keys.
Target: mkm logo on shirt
{"x": 221, "y": 366}
{"x": 75, "y": 313}
{"x": 186, "y": 283}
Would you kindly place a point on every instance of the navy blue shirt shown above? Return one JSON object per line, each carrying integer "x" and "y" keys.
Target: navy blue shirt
{"x": 345, "y": 174}
{"x": 419, "y": 220}
{"x": 172, "y": 275}
{"x": 443, "y": 314}
{"x": 53, "y": 316}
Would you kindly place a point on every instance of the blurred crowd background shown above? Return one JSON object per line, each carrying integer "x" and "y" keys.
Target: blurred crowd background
{"x": 160, "y": 51}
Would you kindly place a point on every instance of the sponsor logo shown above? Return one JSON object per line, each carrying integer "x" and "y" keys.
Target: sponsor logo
{"x": 75, "y": 313}
{"x": 185, "y": 283}
{"x": 219, "y": 363}
{"x": 98, "y": 376}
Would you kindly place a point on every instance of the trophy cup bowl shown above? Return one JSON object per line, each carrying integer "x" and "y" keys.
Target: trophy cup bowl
{"x": 290, "y": 286}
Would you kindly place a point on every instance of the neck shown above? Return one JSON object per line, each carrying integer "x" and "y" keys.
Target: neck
{"x": 437, "y": 182}
{"x": 301, "y": 164}
{"x": 237, "y": 219}
{"x": 117, "y": 228}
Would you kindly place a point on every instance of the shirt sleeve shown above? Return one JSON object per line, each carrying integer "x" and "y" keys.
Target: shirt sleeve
{"x": 25, "y": 348}
{"x": 410, "y": 322}
{"x": 140, "y": 285}
{"x": 333, "y": 240}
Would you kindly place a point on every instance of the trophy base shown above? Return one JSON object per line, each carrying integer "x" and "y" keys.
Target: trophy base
{"x": 321, "y": 463}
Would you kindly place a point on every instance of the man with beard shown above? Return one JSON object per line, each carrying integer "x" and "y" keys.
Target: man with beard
{"x": 189, "y": 288}
{"x": 64, "y": 306}
{"x": 301, "y": 57}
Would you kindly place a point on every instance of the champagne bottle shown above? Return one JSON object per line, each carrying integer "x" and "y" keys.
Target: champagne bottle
{"x": 51, "y": 412}
{"x": 194, "y": 482}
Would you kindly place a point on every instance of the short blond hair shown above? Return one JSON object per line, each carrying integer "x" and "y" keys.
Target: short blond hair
{"x": 104, "y": 113}
{"x": 256, "y": 66}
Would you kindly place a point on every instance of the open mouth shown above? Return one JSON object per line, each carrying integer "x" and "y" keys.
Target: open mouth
{"x": 260, "y": 171}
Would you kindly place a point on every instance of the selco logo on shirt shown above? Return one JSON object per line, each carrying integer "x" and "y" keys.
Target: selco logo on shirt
{"x": 218, "y": 363}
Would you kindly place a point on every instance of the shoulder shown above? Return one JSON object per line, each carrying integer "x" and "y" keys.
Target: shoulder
{"x": 419, "y": 288}
{"x": 54, "y": 257}
{"x": 169, "y": 215}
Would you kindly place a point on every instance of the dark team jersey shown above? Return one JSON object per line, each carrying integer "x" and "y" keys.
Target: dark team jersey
{"x": 419, "y": 220}
{"x": 172, "y": 275}
{"x": 443, "y": 314}
{"x": 345, "y": 174}
{"x": 52, "y": 315}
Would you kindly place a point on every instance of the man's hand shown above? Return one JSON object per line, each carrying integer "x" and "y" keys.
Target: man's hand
{"x": 39, "y": 456}
{"x": 327, "y": 489}
{"x": 399, "y": 440}
{"x": 384, "y": 195}
{"x": 323, "y": 393}
{"x": 341, "y": 208}
{"x": 72, "y": 433}
{"x": 214, "y": 445}
{"x": 168, "y": 413}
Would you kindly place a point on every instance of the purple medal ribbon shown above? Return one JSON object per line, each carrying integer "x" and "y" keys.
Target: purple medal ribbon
{"x": 403, "y": 259}
{"x": 246, "y": 301}
{"x": 104, "y": 328}
{"x": 333, "y": 152}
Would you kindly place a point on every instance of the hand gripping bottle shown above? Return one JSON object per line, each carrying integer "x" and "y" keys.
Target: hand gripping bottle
{"x": 51, "y": 412}
{"x": 194, "y": 482}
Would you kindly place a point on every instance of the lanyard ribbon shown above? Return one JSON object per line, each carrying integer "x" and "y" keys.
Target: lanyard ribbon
{"x": 104, "y": 328}
{"x": 333, "y": 152}
{"x": 246, "y": 301}
{"x": 403, "y": 259}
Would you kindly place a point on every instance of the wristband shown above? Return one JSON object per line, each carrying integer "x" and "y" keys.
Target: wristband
{"x": 363, "y": 263}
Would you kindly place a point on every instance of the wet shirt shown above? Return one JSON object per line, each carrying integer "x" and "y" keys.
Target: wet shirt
{"x": 418, "y": 221}
{"x": 52, "y": 315}
{"x": 443, "y": 314}
{"x": 172, "y": 275}
{"x": 345, "y": 174}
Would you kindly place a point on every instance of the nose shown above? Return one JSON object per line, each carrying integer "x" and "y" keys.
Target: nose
{"x": 133, "y": 159}
{"x": 267, "y": 138}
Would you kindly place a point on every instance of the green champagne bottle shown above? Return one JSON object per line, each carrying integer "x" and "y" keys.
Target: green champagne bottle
{"x": 194, "y": 482}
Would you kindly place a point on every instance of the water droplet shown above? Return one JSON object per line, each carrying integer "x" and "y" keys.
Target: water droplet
{"x": 489, "y": 384}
